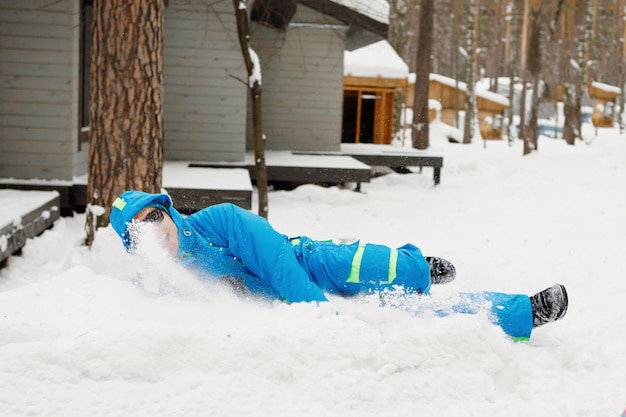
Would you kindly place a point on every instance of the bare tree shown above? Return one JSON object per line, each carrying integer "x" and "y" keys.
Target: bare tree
{"x": 126, "y": 112}
{"x": 421, "y": 120}
{"x": 253, "y": 67}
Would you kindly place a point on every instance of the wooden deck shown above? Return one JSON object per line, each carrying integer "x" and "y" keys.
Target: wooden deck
{"x": 195, "y": 185}
{"x": 24, "y": 215}
{"x": 303, "y": 168}
{"x": 192, "y": 188}
{"x": 397, "y": 158}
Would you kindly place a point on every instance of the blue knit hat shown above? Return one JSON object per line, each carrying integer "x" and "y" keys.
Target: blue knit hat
{"x": 128, "y": 204}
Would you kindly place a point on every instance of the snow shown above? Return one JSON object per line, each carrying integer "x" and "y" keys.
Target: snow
{"x": 486, "y": 94}
{"x": 13, "y": 203}
{"x": 607, "y": 88}
{"x": 375, "y": 9}
{"x": 178, "y": 174}
{"x": 99, "y": 332}
{"x": 375, "y": 60}
{"x": 308, "y": 160}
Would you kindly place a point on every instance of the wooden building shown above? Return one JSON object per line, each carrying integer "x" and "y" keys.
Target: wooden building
{"x": 604, "y": 98}
{"x": 45, "y": 91}
{"x": 491, "y": 106}
{"x": 374, "y": 76}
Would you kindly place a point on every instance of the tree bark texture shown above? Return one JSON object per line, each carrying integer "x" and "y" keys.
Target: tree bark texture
{"x": 126, "y": 113}
{"x": 421, "y": 120}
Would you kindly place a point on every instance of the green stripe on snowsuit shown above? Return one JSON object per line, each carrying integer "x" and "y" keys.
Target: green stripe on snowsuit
{"x": 356, "y": 268}
{"x": 357, "y": 261}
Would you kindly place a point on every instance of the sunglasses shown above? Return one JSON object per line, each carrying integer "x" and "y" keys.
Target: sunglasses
{"x": 155, "y": 216}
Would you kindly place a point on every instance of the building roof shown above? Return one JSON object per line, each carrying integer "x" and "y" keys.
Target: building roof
{"x": 371, "y": 15}
{"x": 485, "y": 94}
{"x": 376, "y": 60}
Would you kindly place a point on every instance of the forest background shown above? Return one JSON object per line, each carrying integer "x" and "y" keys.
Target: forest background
{"x": 502, "y": 28}
{"x": 558, "y": 47}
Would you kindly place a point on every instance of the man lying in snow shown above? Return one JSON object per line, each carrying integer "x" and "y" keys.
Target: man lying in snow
{"x": 242, "y": 248}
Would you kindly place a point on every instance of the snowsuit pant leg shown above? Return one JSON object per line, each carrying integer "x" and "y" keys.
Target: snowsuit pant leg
{"x": 512, "y": 312}
{"x": 357, "y": 268}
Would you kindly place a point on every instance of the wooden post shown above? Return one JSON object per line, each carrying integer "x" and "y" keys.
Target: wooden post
{"x": 357, "y": 134}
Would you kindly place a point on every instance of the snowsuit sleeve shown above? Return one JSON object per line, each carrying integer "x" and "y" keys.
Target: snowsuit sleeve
{"x": 264, "y": 251}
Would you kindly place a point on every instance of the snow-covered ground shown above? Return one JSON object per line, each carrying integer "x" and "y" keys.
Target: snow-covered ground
{"x": 99, "y": 333}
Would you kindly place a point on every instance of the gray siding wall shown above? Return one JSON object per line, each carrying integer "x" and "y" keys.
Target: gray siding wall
{"x": 204, "y": 99}
{"x": 39, "y": 42}
{"x": 302, "y": 84}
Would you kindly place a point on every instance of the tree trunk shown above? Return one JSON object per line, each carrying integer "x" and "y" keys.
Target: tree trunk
{"x": 569, "y": 110}
{"x": 511, "y": 56}
{"x": 125, "y": 112}
{"x": 253, "y": 67}
{"x": 457, "y": 10}
{"x": 424, "y": 50}
{"x": 470, "y": 94}
{"x": 573, "y": 118}
{"x": 533, "y": 63}
{"x": 522, "y": 112}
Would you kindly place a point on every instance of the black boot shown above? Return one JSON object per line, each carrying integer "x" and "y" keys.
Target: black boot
{"x": 441, "y": 271}
{"x": 549, "y": 305}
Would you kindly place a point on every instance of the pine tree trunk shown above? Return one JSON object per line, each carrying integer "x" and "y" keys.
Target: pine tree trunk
{"x": 421, "y": 121}
{"x": 125, "y": 114}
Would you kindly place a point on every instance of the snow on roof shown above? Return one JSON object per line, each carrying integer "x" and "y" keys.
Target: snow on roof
{"x": 606, "y": 87}
{"x": 375, "y": 9}
{"x": 376, "y": 60}
{"x": 486, "y": 94}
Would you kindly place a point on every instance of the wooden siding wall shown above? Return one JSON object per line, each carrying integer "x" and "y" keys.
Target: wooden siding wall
{"x": 39, "y": 59}
{"x": 302, "y": 87}
{"x": 204, "y": 97}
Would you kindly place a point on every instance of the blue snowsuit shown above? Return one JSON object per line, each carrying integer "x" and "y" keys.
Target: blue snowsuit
{"x": 227, "y": 242}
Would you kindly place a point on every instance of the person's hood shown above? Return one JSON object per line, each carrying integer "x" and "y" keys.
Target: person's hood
{"x": 128, "y": 204}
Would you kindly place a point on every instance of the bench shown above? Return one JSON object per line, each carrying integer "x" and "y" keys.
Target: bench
{"x": 302, "y": 168}
{"x": 24, "y": 215}
{"x": 394, "y": 157}
{"x": 193, "y": 188}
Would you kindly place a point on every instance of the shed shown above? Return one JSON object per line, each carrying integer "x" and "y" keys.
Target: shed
{"x": 603, "y": 96}
{"x": 491, "y": 106}
{"x": 374, "y": 76}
